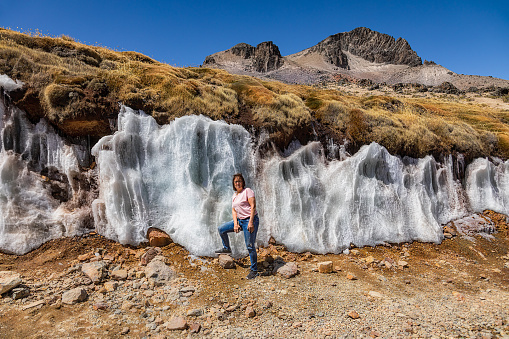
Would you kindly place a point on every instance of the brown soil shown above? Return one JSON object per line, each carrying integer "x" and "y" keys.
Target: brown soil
{"x": 467, "y": 269}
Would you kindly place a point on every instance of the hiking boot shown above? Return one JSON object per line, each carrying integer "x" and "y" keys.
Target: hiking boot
{"x": 252, "y": 275}
{"x": 223, "y": 251}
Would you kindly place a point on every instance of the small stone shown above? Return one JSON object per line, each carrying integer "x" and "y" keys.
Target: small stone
{"x": 176, "y": 323}
{"x": 231, "y": 308}
{"x": 297, "y": 324}
{"x": 124, "y": 331}
{"x": 110, "y": 286}
{"x": 402, "y": 263}
{"x": 375, "y": 334}
{"x": 375, "y": 294}
{"x": 250, "y": 312}
{"x": 350, "y": 276}
{"x": 86, "y": 256}
{"x": 369, "y": 259}
{"x": 226, "y": 261}
{"x": 195, "y": 312}
{"x": 96, "y": 271}
{"x": 20, "y": 292}
{"x": 288, "y": 270}
{"x": 325, "y": 267}
{"x": 119, "y": 274}
{"x": 157, "y": 237}
{"x": 354, "y": 315}
{"x": 8, "y": 281}
{"x": 139, "y": 274}
{"x": 159, "y": 273}
{"x": 100, "y": 306}
{"x": 267, "y": 304}
{"x": 355, "y": 252}
{"x": 150, "y": 254}
{"x": 33, "y": 305}
{"x": 74, "y": 296}
{"x": 194, "y": 328}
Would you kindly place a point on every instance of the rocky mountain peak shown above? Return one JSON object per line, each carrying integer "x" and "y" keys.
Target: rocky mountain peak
{"x": 243, "y": 50}
{"x": 267, "y": 57}
{"x": 369, "y": 45}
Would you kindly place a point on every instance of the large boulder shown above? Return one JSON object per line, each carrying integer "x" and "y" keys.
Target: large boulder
{"x": 157, "y": 237}
{"x": 9, "y": 280}
{"x": 159, "y": 272}
{"x": 150, "y": 254}
{"x": 74, "y": 296}
{"x": 96, "y": 271}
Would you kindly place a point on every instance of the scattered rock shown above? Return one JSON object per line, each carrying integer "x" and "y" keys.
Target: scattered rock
{"x": 119, "y": 274}
{"x": 74, "y": 296}
{"x": 288, "y": 270}
{"x": 100, "y": 306}
{"x": 33, "y": 305}
{"x": 124, "y": 331}
{"x": 250, "y": 312}
{"x": 267, "y": 304}
{"x": 195, "y": 313}
{"x": 226, "y": 261}
{"x": 375, "y": 294}
{"x": 96, "y": 271}
{"x": 369, "y": 259}
{"x": 150, "y": 254}
{"x": 158, "y": 238}
{"x": 176, "y": 323}
{"x": 158, "y": 272}
{"x": 110, "y": 286}
{"x": 350, "y": 276}
{"x": 325, "y": 267}
{"x": 402, "y": 263}
{"x": 194, "y": 328}
{"x": 354, "y": 315}
{"x": 20, "y": 292}
{"x": 9, "y": 280}
{"x": 86, "y": 256}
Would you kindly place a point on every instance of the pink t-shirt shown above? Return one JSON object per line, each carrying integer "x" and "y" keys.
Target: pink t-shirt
{"x": 241, "y": 204}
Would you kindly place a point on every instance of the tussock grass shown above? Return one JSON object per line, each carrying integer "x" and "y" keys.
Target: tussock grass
{"x": 75, "y": 83}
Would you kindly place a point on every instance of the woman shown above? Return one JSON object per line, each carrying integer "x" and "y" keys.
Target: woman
{"x": 245, "y": 218}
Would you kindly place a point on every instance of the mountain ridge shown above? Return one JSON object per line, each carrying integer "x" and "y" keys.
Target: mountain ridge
{"x": 360, "y": 53}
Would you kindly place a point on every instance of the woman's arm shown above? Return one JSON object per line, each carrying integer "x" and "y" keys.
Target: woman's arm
{"x": 252, "y": 203}
{"x": 236, "y": 226}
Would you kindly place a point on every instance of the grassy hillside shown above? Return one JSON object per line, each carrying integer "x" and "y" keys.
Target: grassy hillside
{"x": 78, "y": 88}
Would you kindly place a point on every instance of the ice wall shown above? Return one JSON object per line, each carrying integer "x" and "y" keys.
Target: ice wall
{"x": 178, "y": 178}
{"x": 30, "y": 214}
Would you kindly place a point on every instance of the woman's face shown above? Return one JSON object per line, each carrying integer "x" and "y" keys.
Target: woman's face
{"x": 237, "y": 182}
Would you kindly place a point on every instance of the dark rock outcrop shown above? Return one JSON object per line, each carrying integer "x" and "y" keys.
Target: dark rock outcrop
{"x": 243, "y": 50}
{"x": 369, "y": 45}
{"x": 267, "y": 57}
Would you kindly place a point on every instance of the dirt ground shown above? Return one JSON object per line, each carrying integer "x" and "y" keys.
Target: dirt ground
{"x": 458, "y": 288}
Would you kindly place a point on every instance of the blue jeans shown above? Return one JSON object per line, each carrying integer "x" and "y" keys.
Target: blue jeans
{"x": 249, "y": 237}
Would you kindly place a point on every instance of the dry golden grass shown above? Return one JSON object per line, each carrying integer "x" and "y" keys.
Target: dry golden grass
{"x": 74, "y": 82}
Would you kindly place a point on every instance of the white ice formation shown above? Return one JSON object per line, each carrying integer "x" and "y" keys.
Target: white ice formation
{"x": 29, "y": 213}
{"x": 177, "y": 177}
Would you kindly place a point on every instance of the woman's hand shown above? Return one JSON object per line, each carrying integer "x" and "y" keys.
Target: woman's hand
{"x": 250, "y": 226}
{"x": 236, "y": 228}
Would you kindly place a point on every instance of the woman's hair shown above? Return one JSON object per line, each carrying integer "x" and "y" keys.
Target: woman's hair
{"x": 238, "y": 175}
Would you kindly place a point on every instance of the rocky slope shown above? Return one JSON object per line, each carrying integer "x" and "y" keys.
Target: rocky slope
{"x": 89, "y": 286}
{"x": 361, "y": 53}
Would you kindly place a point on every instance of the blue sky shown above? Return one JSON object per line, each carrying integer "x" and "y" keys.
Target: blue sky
{"x": 470, "y": 37}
